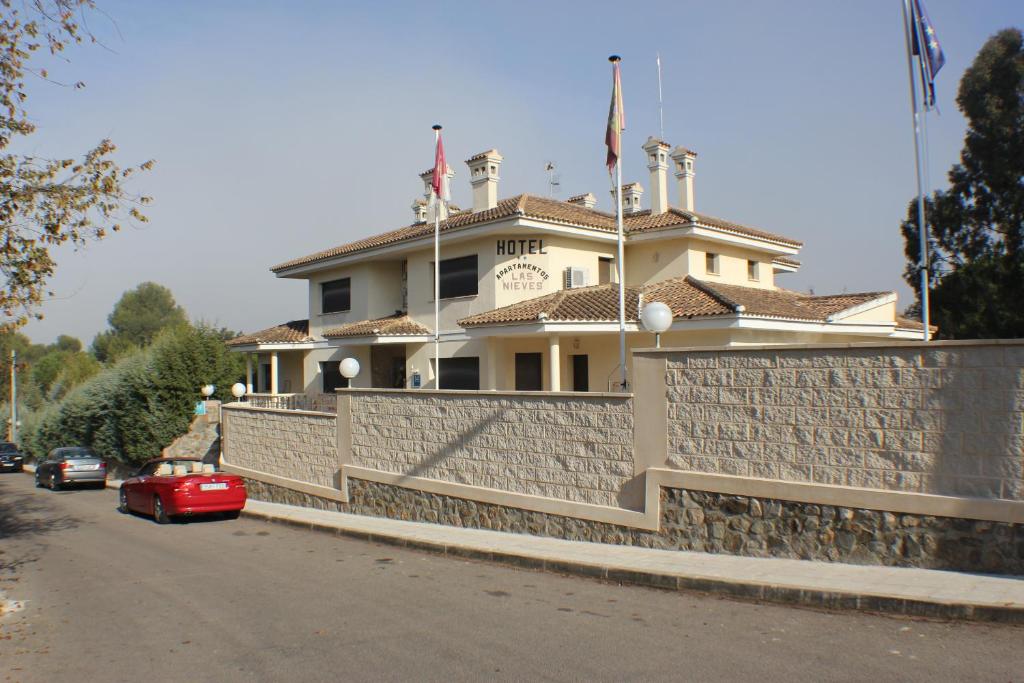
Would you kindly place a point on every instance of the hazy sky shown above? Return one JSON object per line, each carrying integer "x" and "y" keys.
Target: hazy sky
{"x": 282, "y": 128}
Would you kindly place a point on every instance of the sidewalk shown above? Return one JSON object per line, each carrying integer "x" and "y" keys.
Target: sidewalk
{"x": 910, "y": 592}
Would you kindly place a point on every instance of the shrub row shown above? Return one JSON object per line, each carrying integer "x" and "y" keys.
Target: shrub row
{"x": 136, "y": 408}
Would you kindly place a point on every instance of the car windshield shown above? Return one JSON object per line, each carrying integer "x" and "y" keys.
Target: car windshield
{"x": 175, "y": 467}
{"x": 77, "y": 453}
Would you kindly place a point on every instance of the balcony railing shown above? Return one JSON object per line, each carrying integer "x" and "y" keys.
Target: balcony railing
{"x": 320, "y": 403}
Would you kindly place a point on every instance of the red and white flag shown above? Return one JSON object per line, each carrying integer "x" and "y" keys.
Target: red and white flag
{"x": 439, "y": 183}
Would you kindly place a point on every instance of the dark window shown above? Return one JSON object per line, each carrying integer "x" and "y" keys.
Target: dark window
{"x": 331, "y": 376}
{"x": 459, "y": 277}
{"x": 336, "y": 295}
{"x": 528, "y": 372}
{"x": 580, "y": 372}
{"x": 460, "y": 373}
{"x": 604, "y": 270}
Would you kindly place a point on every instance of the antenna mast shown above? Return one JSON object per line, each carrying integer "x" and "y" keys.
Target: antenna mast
{"x": 554, "y": 180}
{"x": 661, "y": 112}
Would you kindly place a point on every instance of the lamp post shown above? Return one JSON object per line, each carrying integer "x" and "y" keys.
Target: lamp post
{"x": 207, "y": 391}
{"x": 349, "y": 368}
{"x": 656, "y": 317}
{"x": 238, "y": 390}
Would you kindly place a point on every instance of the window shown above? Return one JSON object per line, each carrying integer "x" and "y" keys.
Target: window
{"x": 711, "y": 263}
{"x": 330, "y": 377}
{"x": 459, "y": 277}
{"x": 460, "y": 373}
{"x": 336, "y": 296}
{"x": 752, "y": 269}
{"x": 604, "y": 270}
{"x": 529, "y": 372}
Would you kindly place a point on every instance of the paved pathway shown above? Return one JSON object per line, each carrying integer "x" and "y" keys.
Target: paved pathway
{"x": 889, "y": 589}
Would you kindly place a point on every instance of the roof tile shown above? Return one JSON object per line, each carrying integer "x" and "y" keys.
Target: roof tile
{"x": 399, "y": 324}
{"x": 292, "y": 332}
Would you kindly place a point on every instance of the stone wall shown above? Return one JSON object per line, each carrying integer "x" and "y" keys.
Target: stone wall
{"x": 570, "y": 447}
{"x": 942, "y": 418}
{"x": 714, "y": 523}
{"x": 290, "y": 444}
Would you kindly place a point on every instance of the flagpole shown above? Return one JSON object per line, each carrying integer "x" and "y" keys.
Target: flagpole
{"x": 620, "y": 266}
{"x": 437, "y": 269}
{"x": 661, "y": 108}
{"x": 922, "y": 227}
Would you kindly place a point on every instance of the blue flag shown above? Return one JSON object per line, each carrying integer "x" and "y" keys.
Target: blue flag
{"x": 931, "y": 58}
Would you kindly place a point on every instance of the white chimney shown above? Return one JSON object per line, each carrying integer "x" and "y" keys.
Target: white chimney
{"x": 657, "y": 163}
{"x": 631, "y": 193}
{"x": 419, "y": 210}
{"x": 428, "y": 179}
{"x": 483, "y": 176}
{"x": 684, "y": 160}
{"x": 586, "y": 200}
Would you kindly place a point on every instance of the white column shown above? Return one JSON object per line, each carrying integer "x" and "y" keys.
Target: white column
{"x": 554, "y": 364}
{"x": 273, "y": 372}
{"x": 248, "y": 373}
{"x": 491, "y": 364}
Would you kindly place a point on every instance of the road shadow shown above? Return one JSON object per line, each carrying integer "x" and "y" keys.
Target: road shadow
{"x": 25, "y": 516}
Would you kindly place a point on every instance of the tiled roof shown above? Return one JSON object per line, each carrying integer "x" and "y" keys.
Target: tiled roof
{"x": 642, "y": 221}
{"x": 293, "y": 332}
{"x": 686, "y": 296}
{"x": 786, "y": 261}
{"x": 542, "y": 208}
{"x": 398, "y": 324}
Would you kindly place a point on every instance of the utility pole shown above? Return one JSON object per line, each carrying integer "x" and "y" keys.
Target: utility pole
{"x": 13, "y": 432}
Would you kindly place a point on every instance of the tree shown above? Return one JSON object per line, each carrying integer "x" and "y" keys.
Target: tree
{"x": 45, "y": 203}
{"x": 976, "y": 228}
{"x": 67, "y": 343}
{"x": 138, "y": 317}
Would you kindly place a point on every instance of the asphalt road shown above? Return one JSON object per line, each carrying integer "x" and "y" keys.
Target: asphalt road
{"x": 94, "y": 595}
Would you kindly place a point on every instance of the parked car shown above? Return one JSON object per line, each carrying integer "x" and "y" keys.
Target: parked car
{"x": 10, "y": 457}
{"x": 171, "y": 487}
{"x": 71, "y": 466}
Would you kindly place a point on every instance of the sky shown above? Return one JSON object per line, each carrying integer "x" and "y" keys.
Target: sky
{"x": 283, "y": 128}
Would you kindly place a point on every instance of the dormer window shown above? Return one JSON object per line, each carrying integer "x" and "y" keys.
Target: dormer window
{"x": 752, "y": 271}
{"x": 711, "y": 263}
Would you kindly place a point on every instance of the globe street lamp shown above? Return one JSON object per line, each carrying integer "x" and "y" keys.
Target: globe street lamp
{"x": 656, "y": 317}
{"x": 349, "y": 368}
{"x": 238, "y": 390}
{"x": 208, "y": 390}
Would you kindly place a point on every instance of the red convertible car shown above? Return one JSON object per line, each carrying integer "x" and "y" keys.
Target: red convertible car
{"x": 170, "y": 487}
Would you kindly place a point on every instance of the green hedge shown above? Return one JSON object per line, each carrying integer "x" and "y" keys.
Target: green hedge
{"x": 133, "y": 410}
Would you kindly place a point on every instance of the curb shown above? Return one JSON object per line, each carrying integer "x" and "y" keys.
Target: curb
{"x": 752, "y": 591}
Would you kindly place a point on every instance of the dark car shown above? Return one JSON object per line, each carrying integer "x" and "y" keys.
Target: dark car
{"x": 10, "y": 457}
{"x": 71, "y": 466}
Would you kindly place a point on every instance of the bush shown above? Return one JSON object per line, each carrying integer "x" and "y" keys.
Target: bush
{"x": 136, "y": 408}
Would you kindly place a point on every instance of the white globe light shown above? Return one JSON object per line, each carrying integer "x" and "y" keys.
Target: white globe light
{"x": 656, "y": 317}
{"x": 238, "y": 390}
{"x": 208, "y": 390}
{"x": 349, "y": 368}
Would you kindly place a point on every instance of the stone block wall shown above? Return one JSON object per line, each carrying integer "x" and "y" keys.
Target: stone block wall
{"x": 944, "y": 418}
{"x": 290, "y": 444}
{"x": 577, "y": 448}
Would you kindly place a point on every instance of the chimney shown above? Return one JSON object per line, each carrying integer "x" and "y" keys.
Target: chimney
{"x": 419, "y": 210}
{"x": 483, "y": 176}
{"x": 586, "y": 200}
{"x": 684, "y": 160}
{"x": 631, "y": 193}
{"x": 428, "y": 178}
{"x": 657, "y": 163}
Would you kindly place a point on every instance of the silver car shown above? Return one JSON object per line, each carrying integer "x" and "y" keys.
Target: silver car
{"x": 71, "y": 466}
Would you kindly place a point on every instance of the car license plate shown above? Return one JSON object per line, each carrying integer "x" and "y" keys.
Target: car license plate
{"x": 219, "y": 486}
{"x": 85, "y": 467}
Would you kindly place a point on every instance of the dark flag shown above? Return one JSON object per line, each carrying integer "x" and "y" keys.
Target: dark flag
{"x": 931, "y": 57}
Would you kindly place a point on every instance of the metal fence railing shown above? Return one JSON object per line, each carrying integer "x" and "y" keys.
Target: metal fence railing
{"x": 320, "y": 403}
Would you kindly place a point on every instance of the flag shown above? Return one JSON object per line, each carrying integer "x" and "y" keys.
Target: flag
{"x": 439, "y": 183}
{"x": 616, "y": 119}
{"x": 931, "y": 57}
